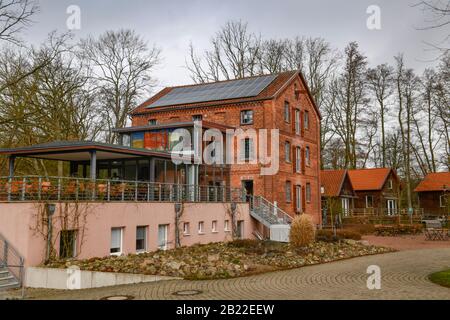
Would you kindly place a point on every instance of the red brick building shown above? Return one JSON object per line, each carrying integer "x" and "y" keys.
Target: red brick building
{"x": 285, "y": 103}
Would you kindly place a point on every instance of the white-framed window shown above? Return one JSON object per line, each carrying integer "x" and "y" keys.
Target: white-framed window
{"x": 152, "y": 122}
{"x": 186, "y": 228}
{"x": 390, "y": 184}
{"x": 288, "y": 191}
{"x": 298, "y": 159}
{"x": 369, "y": 201}
{"x": 201, "y": 227}
{"x": 163, "y": 236}
{"x": 197, "y": 117}
{"x": 308, "y": 156}
{"x": 116, "y": 241}
{"x": 308, "y": 192}
{"x": 287, "y": 112}
{"x": 306, "y": 120}
{"x": 298, "y": 198}
{"x": 443, "y": 200}
{"x": 287, "y": 151}
{"x": 247, "y": 152}
{"x": 141, "y": 238}
{"x": 246, "y": 116}
{"x": 297, "y": 122}
{"x": 226, "y": 225}
{"x": 214, "y": 226}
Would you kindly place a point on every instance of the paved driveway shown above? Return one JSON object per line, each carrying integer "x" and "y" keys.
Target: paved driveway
{"x": 404, "y": 276}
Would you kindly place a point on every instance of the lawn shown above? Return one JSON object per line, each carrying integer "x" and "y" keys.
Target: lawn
{"x": 226, "y": 260}
{"x": 442, "y": 278}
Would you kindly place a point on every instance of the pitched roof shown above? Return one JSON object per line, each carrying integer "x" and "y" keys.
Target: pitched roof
{"x": 369, "y": 179}
{"x": 332, "y": 181}
{"x": 434, "y": 182}
{"x": 271, "y": 91}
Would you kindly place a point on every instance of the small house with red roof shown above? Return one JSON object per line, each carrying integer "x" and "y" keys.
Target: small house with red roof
{"x": 434, "y": 194}
{"x": 338, "y": 195}
{"x": 378, "y": 190}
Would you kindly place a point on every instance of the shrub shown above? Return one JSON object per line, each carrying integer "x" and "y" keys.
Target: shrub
{"x": 327, "y": 235}
{"x": 398, "y": 229}
{"x": 349, "y": 234}
{"x": 362, "y": 228}
{"x": 302, "y": 231}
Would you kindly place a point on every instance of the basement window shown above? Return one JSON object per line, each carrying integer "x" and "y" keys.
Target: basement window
{"x": 67, "y": 244}
{"x": 116, "y": 241}
{"x": 141, "y": 239}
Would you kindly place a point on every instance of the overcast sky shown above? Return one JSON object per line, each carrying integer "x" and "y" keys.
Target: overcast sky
{"x": 171, "y": 25}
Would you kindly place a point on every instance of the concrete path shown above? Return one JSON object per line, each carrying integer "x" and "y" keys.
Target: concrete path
{"x": 404, "y": 276}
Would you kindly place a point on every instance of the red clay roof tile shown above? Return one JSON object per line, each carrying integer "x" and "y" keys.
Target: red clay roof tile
{"x": 434, "y": 182}
{"x": 332, "y": 182}
{"x": 368, "y": 179}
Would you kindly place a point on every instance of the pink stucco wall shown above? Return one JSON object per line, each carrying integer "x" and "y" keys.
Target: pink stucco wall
{"x": 18, "y": 225}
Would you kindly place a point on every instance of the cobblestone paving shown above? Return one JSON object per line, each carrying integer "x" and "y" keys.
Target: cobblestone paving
{"x": 404, "y": 276}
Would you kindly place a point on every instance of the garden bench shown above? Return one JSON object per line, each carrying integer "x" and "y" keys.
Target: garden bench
{"x": 434, "y": 231}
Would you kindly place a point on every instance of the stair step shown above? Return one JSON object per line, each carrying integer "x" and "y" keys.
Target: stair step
{"x": 9, "y": 285}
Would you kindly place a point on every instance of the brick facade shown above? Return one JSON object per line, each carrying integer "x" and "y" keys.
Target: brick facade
{"x": 267, "y": 114}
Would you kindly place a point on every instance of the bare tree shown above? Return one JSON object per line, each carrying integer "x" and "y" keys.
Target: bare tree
{"x": 380, "y": 83}
{"x": 234, "y": 54}
{"x": 122, "y": 64}
{"x": 442, "y": 101}
{"x": 350, "y": 90}
{"x": 439, "y": 11}
{"x": 406, "y": 84}
{"x": 14, "y": 16}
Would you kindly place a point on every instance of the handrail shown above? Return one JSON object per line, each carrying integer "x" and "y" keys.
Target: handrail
{"x": 11, "y": 259}
{"x": 261, "y": 203}
{"x": 39, "y": 188}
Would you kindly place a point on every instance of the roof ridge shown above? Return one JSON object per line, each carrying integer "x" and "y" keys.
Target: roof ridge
{"x": 229, "y": 80}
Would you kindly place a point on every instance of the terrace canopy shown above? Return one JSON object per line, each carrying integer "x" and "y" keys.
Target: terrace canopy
{"x": 84, "y": 152}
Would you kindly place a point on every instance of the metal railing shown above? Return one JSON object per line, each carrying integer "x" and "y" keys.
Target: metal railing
{"x": 382, "y": 212}
{"x": 37, "y": 188}
{"x": 12, "y": 260}
{"x": 268, "y": 210}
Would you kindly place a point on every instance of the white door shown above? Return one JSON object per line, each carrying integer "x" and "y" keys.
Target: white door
{"x": 162, "y": 236}
{"x": 345, "y": 206}
{"x": 391, "y": 207}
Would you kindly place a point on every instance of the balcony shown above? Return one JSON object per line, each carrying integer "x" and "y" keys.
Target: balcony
{"x": 40, "y": 188}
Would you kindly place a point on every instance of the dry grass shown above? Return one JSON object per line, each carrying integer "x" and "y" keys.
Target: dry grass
{"x": 302, "y": 231}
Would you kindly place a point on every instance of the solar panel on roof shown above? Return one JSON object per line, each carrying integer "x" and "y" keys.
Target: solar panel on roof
{"x": 242, "y": 88}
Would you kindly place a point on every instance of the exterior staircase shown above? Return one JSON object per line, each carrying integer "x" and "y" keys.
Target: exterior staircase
{"x": 272, "y": 217}
{"x": 11, "y": 266}
{"x": 7, "y": 280}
